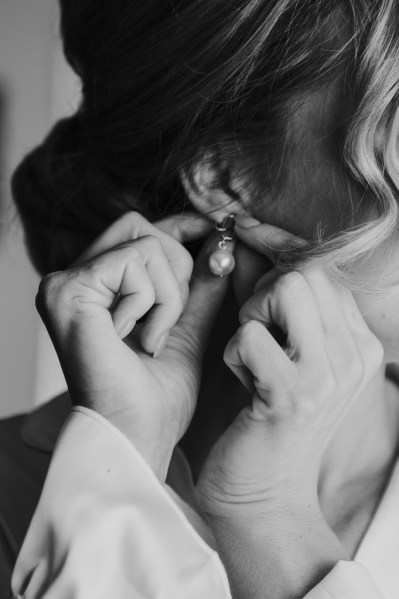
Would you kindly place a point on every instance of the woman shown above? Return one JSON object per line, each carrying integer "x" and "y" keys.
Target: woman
{"x": 284, "y": 113}
{"x": 109, "y": 501}
{"x": 102, "y": 508}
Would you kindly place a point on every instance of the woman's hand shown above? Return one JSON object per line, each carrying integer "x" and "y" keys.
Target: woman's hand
{"x": 259, "y": 483}
{"x": 148, "y": 386}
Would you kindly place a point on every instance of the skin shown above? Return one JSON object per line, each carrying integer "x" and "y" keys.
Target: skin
{"x": 148, "y": 386}
{"x": 318, "y": 186}
{"x": 318, "y": 174}
{"x": 285, "y": 548}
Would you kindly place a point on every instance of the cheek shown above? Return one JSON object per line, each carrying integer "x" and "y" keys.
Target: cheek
{"x": 322, "y": 198}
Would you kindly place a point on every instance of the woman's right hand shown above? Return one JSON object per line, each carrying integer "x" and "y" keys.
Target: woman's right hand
{"x": 147, "y": 387}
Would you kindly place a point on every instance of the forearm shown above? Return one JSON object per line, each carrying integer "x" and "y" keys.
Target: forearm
{"x": 105, "y": 527}
{"x": 155, "y": 447}
{"x": 282, "y": 555}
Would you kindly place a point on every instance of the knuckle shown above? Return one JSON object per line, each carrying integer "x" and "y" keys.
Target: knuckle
{"x": 248, "y": 332}
{"x": 52, "y": 292}
{"x": 152, "y": 243}
{"x": 133, "y": 219}
{"x": 50, "y": 286}
{"x": 145, "y": 300}
{"x": 131, "y": 251}
{"x": 286, "y": 284}
{"x": 47, "y": 284}
{"x": 375, "y": 352}
{"x": 256, "y": 306}
{"x": 187, "y": 262}
{"x": 149, "y": 295}
{"x": 303, "y": 405}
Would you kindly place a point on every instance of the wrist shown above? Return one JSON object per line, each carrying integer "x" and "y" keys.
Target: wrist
{"x": 285, "y": 552}
{"x": 263, "y": 504}
{"x": 155, "y": 446}
{"x": 272, "y": 518}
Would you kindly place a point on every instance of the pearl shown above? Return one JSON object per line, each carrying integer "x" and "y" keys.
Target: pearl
{"x": 221, "y": 263}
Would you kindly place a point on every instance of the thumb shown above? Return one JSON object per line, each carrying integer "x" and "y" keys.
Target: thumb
{"x": 264, "y": 238}
{"x": 207, "y": 292}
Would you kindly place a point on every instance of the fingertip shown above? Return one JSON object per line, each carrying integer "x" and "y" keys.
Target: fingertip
{"x": 194, "y": 226}
{"x": 186, "y": 227}
{"x": 246, "y": 222}
{"x": 123, "y": 329}
{"x": 161, "y": 343}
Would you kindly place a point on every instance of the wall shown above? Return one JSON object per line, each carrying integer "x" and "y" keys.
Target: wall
{"x": 35, "y": 88}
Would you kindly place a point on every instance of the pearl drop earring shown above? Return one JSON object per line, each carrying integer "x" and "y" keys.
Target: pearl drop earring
{"x": 221, "y": 262}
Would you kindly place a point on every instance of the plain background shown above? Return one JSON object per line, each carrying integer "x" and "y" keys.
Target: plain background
{"x": 36, "y": 88}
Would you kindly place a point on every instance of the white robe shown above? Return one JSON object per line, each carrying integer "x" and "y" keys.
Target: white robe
{"x": 106, "y": 528}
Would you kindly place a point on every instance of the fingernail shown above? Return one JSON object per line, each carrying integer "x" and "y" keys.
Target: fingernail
{"x": 246, "y": 222}
{"x": 126, "y": 329}
{"x": 161, "y": 344}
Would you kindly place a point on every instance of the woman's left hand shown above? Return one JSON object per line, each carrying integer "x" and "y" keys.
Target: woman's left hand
{"x": 260, "y": 481}
{"x": 301, "y": 391}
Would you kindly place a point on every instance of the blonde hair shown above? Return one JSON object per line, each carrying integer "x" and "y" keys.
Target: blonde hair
{"x": 371, "y": 151}
{"x": 166, "y": 83}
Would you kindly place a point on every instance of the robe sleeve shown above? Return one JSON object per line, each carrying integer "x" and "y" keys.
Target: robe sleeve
{"x": 106, "y": 527}
{"x": 348, "y": 580}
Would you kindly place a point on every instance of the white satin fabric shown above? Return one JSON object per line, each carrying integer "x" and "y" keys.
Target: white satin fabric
{"x": 379, "y": 550}
{"x": 105, "y": 527}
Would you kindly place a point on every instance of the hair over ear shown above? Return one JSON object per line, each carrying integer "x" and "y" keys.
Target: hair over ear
{"x": 167, "y": 85}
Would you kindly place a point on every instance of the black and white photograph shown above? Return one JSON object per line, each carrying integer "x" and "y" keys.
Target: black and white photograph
{"x": 199, "y": 299}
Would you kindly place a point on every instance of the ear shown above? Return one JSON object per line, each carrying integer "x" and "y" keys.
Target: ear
{"x": 214, "y": 191}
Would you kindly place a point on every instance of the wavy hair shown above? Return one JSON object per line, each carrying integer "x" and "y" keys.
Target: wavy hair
{"x": 166, "y": 84}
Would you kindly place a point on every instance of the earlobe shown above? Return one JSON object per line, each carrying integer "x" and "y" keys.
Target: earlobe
{"x": 209, "y": 193}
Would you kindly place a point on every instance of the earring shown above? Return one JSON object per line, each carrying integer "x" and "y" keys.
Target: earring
{"x": 221, "y": 262}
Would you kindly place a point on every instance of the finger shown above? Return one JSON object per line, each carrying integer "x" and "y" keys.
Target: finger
{"x": 329, "y": 301}
{"x": 177, "y": 230}
{"x": 267, "y": 280}
{"x": 234, "y": 362}
{"x": 290, "y": 305}
{"x": 264, "y": 238}
{"x": 206, "y": 296}
{"x": 125, "y": 274}
{"x": 253, "y": 349}
{"x": 89, "y": 293}
{"x": 168, "y": 304}
{"x": 186, "y": 227}
{"x": 133, "y": 225}
{"x": 171, "y": 232}
{"x": 349, "y": 339}
{"x": 139, "y": 275}
{"x": 369, "y": 346}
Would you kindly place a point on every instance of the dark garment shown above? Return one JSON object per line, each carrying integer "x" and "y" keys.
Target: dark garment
{"x": 26, "y": 445}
